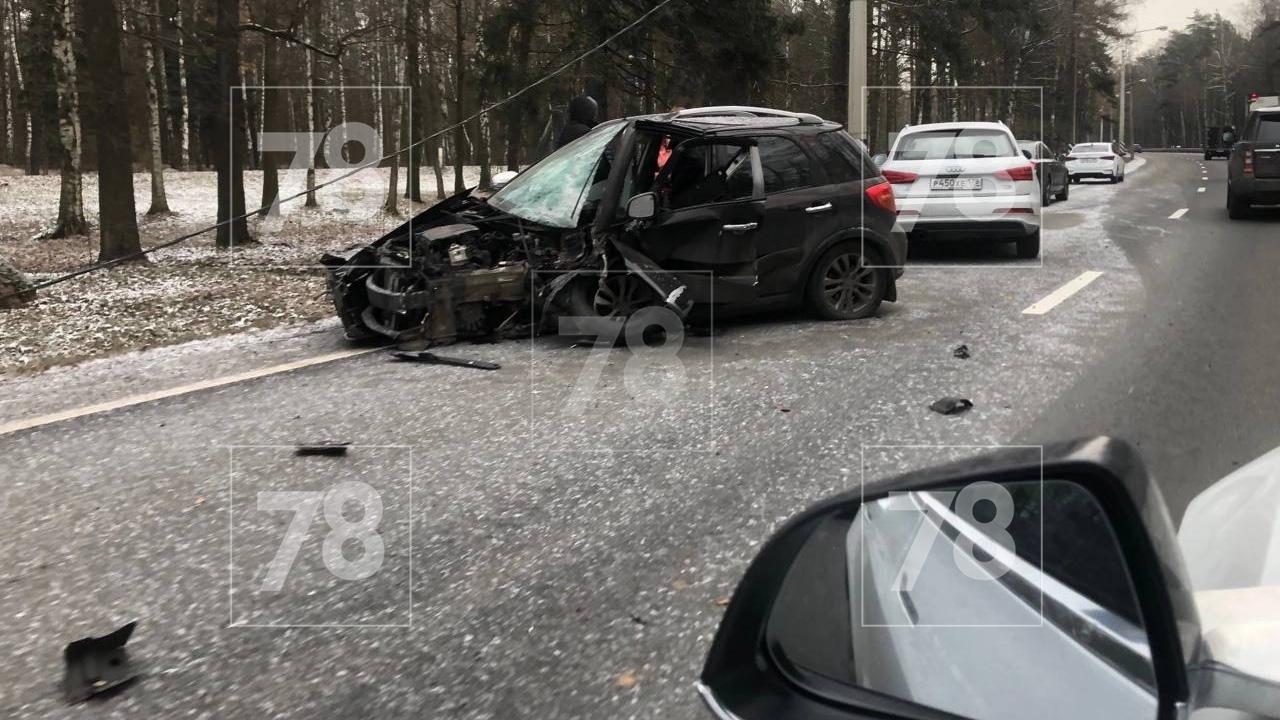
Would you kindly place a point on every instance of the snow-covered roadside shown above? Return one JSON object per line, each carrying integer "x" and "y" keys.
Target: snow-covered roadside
{"x": 192, "y": 290}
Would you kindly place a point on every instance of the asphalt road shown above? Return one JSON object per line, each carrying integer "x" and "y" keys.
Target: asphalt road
{"x": 557, "y": 528}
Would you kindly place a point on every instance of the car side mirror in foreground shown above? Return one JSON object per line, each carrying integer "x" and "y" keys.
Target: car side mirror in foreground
{"x": 502, "y": 179}
{"x": 1027, "y": 155}
{"x": 880, "y": 159}
{"x": 1039, "y": 583}
{"x": 642, "y": 206}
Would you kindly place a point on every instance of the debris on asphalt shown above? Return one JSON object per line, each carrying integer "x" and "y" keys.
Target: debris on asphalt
{"x": 952, "y": 406}
{"x": 97, "y": 664}
{"x": 433, "y": 359}
{"x": 961, "y": 352}
{"x": 324, "y": 449}
{"x": 627, "y": 680}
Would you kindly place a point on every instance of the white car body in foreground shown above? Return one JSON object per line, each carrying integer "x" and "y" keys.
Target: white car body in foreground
{"x": 1095, "y": 160}
{"x": 965, "y": 180}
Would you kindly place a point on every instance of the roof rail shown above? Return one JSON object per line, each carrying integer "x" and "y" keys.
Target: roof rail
{"x": 748, "y": 111}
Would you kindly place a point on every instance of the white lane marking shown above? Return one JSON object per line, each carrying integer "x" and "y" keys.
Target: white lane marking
{"x": 1201, "y": 190}
{"x": 1178, "y": 215}
{"x": 26, "y": 423}
{"x": 1062, "y": 294}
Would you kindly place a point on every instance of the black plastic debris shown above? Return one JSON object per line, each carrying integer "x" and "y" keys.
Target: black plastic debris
{"x": 952, "y": 406}
{"x": 961, "y": 352}
{"x": 97, "y": 664}
{"x": 324, "y": 449}
{"x": 433, "y": 359}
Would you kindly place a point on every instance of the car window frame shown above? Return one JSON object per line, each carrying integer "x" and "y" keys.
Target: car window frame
{"x": 757, "y": 173}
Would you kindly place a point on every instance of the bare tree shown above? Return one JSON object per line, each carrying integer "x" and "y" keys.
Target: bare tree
{"x": 159, "y": 202}
{"x": 71, "y": 219}
{"x": 117, "y": 218}
{"x": 228, "y": 139}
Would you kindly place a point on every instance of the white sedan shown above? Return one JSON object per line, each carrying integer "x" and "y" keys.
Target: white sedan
{"x": 965, "y": 180}
{"x": 1103, "y": 161}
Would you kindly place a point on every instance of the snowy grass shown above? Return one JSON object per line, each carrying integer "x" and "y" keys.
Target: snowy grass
{"x": 192, "y": 290}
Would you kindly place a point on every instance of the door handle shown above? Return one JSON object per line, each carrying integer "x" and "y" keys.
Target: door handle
{"x": 825, "y": 207}
{"x": 745, "y": 227}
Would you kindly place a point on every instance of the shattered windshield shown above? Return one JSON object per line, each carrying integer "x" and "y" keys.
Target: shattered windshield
{"x": 554, "y": 191}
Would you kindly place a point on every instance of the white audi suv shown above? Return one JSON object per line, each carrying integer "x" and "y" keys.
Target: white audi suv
{"x": 965, "y": 180}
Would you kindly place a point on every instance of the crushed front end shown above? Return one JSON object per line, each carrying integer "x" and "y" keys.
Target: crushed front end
{"x": 459, "y": 271}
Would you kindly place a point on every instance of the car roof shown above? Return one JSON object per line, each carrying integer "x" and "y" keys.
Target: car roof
{"x": 956, "y": 126}
{"x": 739, "y": 120}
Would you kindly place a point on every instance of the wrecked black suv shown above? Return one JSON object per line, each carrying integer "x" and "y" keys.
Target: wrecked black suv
{"x": 706, "y": 210}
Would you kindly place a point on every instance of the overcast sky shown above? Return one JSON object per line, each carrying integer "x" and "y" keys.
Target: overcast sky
{"x": 1174, "y": 13}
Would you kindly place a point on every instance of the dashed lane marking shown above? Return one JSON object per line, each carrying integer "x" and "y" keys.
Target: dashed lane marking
{"x": 1062, "y": 294}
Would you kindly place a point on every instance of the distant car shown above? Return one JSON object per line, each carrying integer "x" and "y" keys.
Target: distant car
{"x": 1102, "y": 161}
{"x": 1137, "y": 149}
{"x": 965, "y": 180}
{"x": 1253, "y": 171}
{"x": 1055, "y": 181}
{"x": 1218, "y": 142}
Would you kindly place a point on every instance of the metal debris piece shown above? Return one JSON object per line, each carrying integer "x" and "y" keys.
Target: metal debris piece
{"x": 326, "y": 449}
{"x": 97, "y": 664}
{"x": 961, "y": 352}
{"x": 952, "y": 406}
{"x": 433, "y": 359}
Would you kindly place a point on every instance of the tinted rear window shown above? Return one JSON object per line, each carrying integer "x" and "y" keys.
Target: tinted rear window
{"x": 842, "y": 161}
{"x": 958, "y": 144}
{"x": 1268, "y": 128}
{"x": 785, "y": 165}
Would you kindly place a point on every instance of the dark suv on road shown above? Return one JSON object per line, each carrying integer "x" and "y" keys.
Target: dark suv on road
{"x": 1253, "y": 172}
{"x": 726, "y": 208}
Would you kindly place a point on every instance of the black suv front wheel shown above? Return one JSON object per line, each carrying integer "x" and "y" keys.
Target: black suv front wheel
{"x": 846, "y": 285}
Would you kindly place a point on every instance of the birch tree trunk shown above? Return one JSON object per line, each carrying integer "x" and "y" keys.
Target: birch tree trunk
{"x": 19, "y": 85}
{"x": 159, "y": 203}
{"x": 184, "y": 149}
{"x": 71, "y": 219}
{"x": 311, "y": 128}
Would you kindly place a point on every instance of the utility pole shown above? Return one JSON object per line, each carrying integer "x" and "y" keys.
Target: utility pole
{"x": 858, "y": 52}
{"x": 1124, "y": 62}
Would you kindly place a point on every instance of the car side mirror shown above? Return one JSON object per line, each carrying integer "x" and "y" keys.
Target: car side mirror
{"x": 502, "y": 179}
{"x": 1027, "y": 154}
{"x": 643, "y": 206}
{"x": 880, "y": 159}
{"x": 1027, "y": 583}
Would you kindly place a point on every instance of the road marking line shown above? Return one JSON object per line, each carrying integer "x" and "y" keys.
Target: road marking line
{"x": 1178, "y": 215}
{"x": 1062, "y": 294}
{"x": 1201, "y": 190}
{"x": 109, "y": 405}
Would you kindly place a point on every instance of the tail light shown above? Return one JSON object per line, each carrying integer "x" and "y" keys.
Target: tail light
{"x": 899, "y": 177}
{"x": 1072, "y": 158}
{"x": 1108, "y": 157}
{"x": 1248, "y": 162}
{"x": 881, "y": 195}
{"x": 1022, "y": 172}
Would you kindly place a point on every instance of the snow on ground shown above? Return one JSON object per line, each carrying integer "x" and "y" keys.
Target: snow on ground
{"x": 192, "y": 290}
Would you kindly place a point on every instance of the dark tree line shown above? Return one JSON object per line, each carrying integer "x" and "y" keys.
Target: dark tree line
{"x": 168, "y": 101}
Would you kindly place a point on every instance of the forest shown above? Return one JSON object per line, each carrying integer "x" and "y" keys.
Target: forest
{"x": 119, "y": 87}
